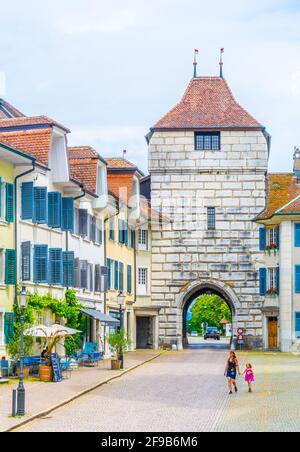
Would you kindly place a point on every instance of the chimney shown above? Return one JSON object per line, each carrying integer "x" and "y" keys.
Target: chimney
{"x": 297, "y": 162}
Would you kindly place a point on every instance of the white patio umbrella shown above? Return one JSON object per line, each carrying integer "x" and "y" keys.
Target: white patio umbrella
{"x": 48, "y": 332}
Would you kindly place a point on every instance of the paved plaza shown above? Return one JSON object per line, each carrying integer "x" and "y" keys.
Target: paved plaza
{"x": 186, "y": 391}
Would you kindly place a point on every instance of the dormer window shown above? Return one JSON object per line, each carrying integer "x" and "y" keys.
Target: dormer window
{"x": 207, "y": 141}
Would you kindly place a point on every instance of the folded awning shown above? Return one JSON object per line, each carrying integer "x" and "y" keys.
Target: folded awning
{"x": 104, "y": 319}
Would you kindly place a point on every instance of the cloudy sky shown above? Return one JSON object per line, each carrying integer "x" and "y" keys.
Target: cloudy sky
{"x": 110, "y": 70}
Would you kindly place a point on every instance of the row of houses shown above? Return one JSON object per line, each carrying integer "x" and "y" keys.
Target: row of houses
{"x": 72, "y": 219}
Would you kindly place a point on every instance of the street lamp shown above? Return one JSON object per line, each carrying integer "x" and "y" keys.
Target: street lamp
{"x": 22, "y": 302}
{"x": 121, "y": 303}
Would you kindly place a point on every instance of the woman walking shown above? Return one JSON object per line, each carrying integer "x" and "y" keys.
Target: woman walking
{"x": 231, "y": 369}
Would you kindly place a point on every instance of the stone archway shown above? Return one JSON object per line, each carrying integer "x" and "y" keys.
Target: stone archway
{"x": 196, "y": 289}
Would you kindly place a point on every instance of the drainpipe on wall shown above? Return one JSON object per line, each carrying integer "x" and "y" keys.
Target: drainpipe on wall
{"x": 16, "y": 222}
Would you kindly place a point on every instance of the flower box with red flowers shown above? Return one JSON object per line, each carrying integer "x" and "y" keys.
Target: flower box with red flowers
{"x": 271, "y": 248}
{"x": 272, "y": 293}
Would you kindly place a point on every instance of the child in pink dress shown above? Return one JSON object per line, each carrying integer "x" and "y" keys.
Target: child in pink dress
{"x": 249, "y": 376}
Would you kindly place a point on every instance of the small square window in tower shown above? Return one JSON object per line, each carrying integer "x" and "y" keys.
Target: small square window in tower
{"x": 207, "y": 141}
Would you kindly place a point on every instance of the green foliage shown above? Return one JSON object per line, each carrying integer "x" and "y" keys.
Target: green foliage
{"x": 119, "y": 342}
{"x": 210, "y": 309}
{"x": 68, "y": 308}
{"x": 13, "y": 347}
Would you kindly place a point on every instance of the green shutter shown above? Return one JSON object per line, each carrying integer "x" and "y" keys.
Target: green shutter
{"x": 10, "y": 267}
{"x": 129, "y": 279}
{"x": 9, "y": 203}
{"x": 8, "y": 327}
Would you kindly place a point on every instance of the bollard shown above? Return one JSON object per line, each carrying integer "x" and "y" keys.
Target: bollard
{"x": 14, "y": 403}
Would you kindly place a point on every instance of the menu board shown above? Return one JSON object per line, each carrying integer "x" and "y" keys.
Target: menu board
{"x": 57, "y": 375}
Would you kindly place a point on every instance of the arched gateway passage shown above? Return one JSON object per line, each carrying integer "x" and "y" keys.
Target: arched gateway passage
{"x": 212, "y": 287}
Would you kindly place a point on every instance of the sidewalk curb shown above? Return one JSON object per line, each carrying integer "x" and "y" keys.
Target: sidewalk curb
{"x": 78, "y": 395}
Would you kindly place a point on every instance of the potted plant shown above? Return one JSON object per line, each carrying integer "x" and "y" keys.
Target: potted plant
{"x": 272, "y": 293}
{"x": 13, "y": 349}
{"x": 119, "y": 342}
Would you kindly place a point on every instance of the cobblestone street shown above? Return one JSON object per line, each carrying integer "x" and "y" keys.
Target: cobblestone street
{"x": 186, "y": 391}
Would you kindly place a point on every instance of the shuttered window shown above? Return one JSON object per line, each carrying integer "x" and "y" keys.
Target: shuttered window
{"x": 55, "y": 267}
{"x": 69, "y": 269}
{"x": 77, "y": 273}
{"x": 297, "y": 325}
{"x": 10, "y": 267}
{"x": 129, "y": 279}
{"x": 112, "y": 228}
{"x": 99, "y": 232}
{"x": 9, "y": 199}
{"x": 211, "y": 218}
{"x": 68, "y": 214}
{"x": 40, "y": 210}
{"x": 40, "y": 264}
{"x": 54, "y": 210}
{"x": 26, "y": 261}
{"x": 297, "y": 278}
{"x": 83, "y": 222}
{"x": 8, "y": 327}
{"x": 27, "y": 201}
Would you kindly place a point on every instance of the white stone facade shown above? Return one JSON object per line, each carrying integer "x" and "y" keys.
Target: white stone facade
{"x": 185, "y": 254}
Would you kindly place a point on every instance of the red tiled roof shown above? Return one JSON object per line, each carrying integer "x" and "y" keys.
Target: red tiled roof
{"x": 207, "y": 103}
{"x": 30, "y": 121}
{"x": 282, "y": 189}
{"x": 119, "y": 163}
{"x": 35, "y": 143}
{"x": 82, "y": 152}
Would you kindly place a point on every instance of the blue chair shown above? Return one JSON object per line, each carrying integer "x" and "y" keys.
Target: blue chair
{"x": 6, "y": 368}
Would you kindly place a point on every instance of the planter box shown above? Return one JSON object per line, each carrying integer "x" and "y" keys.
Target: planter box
{"x": 115, "y": 364}
{"x": 46, "y": 373}
{"x": 26, "y": 371}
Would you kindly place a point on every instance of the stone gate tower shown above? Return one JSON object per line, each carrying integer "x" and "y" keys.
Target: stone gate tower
{"x": 208, "y": 160}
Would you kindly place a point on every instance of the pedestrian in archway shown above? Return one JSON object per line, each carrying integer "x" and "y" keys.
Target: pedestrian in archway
{"x": 231, "y": 370}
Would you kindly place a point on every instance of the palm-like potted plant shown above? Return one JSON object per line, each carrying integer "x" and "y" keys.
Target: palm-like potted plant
{"x": 119, "y": 342}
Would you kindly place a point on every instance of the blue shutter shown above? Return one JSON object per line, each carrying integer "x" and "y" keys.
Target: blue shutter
{"x": 297, "y": 278}
{"x": 129, "y": 279}
{"x": 278, "y": 237}
{"x": 26, "y": 261}
{"x": 27, "y": 201}
{"x": 262, "y": 281}
{"x": 108, "y": 274}
{"x": 297, "y": 325}
{"x": 10, "y": 208}
{"x": 126, "y": 233}
{"x": 40, "y": 264}
{"x": 103, "y": 279}
{"x": 297, "y": 234}
{"x": 120, "y": 230}
{"x": 55, "y": 267}
{"x": 262, "y": 239}
{"x": 121, "y": 277}
{"x": 40, "y": 209}
{"x": 116, "y": 275}
{"x": 54, "y": 210}
{"x": 68, "y": 214}
{"x": 9, "y": 327}
{"x": 278, "y": 279}
{"x": 69, "y": 269}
